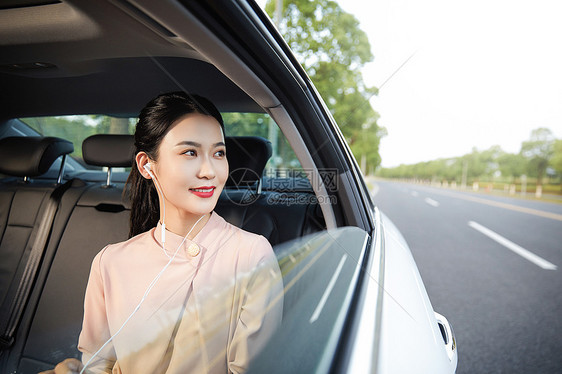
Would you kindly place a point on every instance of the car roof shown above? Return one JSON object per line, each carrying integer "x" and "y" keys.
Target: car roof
{"x": 87, "y": 57}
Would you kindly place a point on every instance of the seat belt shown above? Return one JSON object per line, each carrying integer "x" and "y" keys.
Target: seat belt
{"x": 31, "y": 267}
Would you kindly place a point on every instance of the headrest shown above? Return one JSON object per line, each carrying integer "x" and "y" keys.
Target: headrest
{"x": 247, "y": 156}
{"x": 110, "y": 150}
{"x": 31, "y": 156}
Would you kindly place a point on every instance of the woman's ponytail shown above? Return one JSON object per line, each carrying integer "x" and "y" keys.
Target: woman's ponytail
{"x": 145, "y": 207}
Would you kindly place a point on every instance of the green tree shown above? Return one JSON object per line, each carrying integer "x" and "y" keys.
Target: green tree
{"x": 556, "y": 160}
{"x": 477, "y": 164}
{"x": 241, "y": 124}
{"x": 538, "y": 150}
{"x": 512, "y": 165}
{"x": 332, "y": 49}
{"x": 474, "y": 165}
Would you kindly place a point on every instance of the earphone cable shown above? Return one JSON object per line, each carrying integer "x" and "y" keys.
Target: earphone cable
{"x": 149, "y": 288}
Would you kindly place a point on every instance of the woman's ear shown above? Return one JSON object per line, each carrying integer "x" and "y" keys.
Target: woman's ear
{"x": 142, "y": 162}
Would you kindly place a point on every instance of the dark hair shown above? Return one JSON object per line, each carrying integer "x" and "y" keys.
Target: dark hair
{"x": 155, "y": 120}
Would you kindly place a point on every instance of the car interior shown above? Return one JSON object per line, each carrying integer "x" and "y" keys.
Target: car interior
{"x": 63, "y": 58}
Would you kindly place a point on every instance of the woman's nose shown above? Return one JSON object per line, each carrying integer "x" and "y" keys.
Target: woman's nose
{"x": 207, "y": 169}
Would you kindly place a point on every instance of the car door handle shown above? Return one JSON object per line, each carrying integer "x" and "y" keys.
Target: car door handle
{"x": 448, "y": 335}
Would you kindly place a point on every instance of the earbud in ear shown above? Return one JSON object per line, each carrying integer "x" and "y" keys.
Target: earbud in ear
{"x": 147, "y": 168}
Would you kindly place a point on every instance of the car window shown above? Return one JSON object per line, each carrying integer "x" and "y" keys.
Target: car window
{"x": 78, "y": 127}
{"x": 319, "y": 273}
{"x": 282, "y": 163}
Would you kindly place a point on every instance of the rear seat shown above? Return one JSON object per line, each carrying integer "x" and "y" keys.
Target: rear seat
{"x": 27, "y": 208}
{"x": 94, "y": 215}
{"x": 279, "y": 216}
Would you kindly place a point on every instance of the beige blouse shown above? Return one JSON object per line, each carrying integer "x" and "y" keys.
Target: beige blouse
{"x": 209, "y": 312}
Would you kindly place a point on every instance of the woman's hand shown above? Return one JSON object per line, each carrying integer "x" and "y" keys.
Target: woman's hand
{"x": 68, "y": 366}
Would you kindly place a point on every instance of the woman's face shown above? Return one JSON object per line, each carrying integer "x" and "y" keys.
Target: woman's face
{"x": 192, "y": 167}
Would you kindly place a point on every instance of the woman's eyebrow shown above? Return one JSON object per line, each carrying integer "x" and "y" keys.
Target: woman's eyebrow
{"x": 188, "y": 142}
{"x": 198, "y": 145}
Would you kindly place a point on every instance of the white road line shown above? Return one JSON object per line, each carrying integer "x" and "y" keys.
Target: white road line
{"x": 528, "y": 255}
{"x": 431, "y": 202}
{"x": 331, "y": 285}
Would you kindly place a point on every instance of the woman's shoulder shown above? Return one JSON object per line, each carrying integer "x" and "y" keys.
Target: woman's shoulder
{"x": 246, "y": 242}
{"x": 115, "y": 251}
{"x": 247, "y": 236}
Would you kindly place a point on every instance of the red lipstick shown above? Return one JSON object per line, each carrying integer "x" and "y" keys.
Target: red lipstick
{"x": 204, "y": 191}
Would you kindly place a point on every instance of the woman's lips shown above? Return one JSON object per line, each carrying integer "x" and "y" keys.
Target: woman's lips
{"x": 204, "y": 192}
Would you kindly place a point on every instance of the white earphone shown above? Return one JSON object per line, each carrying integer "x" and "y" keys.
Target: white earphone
{"x": 149, "y": 288}
{"x": 148, "y": 168}
{"x": 155, "y": 280}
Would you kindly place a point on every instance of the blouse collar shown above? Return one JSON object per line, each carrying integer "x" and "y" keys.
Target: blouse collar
{"x": 174, "y": 240}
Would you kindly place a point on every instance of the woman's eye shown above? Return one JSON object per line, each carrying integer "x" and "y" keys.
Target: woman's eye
{"x": 190, "y": 152}
{"x": 220, "y": 153}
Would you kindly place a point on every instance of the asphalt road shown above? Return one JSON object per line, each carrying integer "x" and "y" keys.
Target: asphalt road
{"x": 475, "y": 255}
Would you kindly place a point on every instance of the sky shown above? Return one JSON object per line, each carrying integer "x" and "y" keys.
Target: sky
{"x": 453, "y": 75}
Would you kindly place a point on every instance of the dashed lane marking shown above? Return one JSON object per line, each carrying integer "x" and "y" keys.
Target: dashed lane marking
{"x": 526, "y": 254}
{"x": 328, "y": 290}
{"x": 431, "y": 202}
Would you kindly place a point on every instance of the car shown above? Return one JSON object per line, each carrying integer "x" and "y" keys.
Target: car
{"x": 74, "y": 76}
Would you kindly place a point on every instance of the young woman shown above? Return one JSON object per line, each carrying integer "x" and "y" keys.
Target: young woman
{"x": 188, "y": 292}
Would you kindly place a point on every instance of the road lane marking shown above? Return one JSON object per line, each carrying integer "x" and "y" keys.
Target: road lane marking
{"x": 431, "y": 202}
{"x": 526, "y": 254}
{"x": 328, "y": 290}
{"x": 516, "y": 208}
